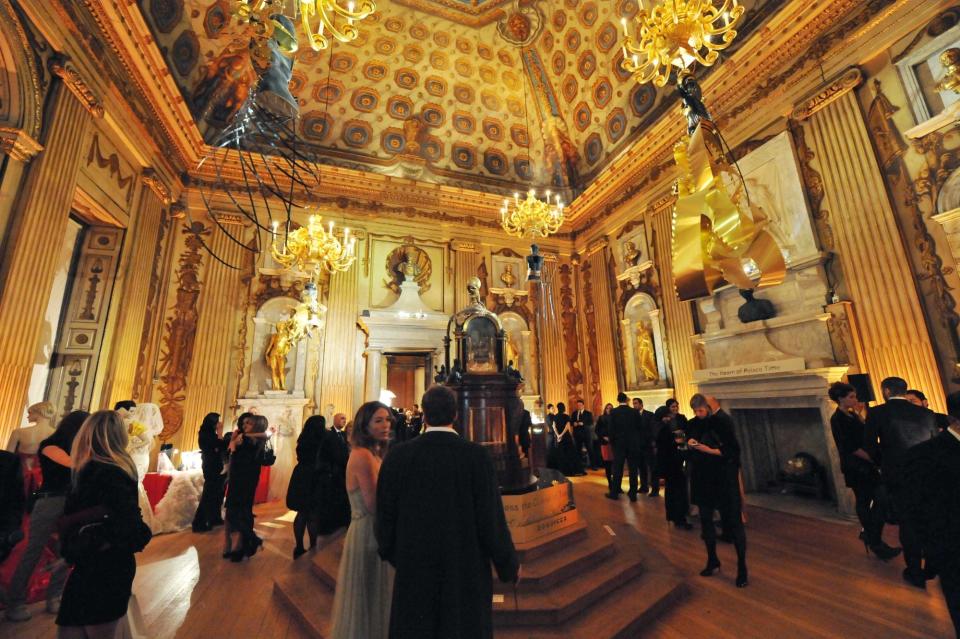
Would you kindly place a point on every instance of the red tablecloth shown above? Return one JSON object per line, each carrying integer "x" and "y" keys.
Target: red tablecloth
{"x": 156, "y": 485}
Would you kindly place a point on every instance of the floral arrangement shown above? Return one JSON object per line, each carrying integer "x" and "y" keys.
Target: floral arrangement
{"x": 135, "y": 429}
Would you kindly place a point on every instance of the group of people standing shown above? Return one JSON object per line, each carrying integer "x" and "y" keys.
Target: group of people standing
{"x": 902, "y": 462}
{"x": 424, "y": 522}
{"x": 87, "y": 508}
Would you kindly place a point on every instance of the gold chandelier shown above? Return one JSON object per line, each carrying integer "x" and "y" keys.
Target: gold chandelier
{"x": 320, "y": 20}
{"x": 313, "y": 249}
{"x": 531, "y": 217}
{"x": 678, "y": 33}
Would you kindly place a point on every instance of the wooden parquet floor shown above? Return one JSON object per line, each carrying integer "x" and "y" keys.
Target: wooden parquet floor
{"x": 808, "y": 578}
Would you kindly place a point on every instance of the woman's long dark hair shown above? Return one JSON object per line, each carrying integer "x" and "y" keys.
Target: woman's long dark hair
{"x": 209, "y": 423}
{"x": 314, "y": 426}
{"x": 67, "y": 430}
{"x": 361, "y": 426}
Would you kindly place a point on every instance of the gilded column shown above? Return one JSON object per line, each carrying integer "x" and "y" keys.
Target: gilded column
{"x": 340, "y": 367}
{"x": 211, "y": 366}
{"x": 29, "y": 264}
{"x": 129, "y": 335}
{"x": 677, "y": 315}
{"x": 875, "y": 264}
{"x": 551, "y": 340}
{"x": 466, "y": 260}
{"x": 598, "y": 323}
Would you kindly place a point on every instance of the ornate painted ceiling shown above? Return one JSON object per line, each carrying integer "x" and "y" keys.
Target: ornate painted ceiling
{"x": 483, "y": 94}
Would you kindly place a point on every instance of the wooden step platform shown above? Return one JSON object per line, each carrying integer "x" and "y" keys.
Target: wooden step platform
{"x": 581, "y": 582}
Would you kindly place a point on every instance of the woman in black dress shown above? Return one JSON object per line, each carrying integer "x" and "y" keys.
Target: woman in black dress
{"x": 248, "y": 454}
{"x": 569, "y": 459}
{"x": 603, "y": 441}
{"x": 715, "y": 481}
{"x": 670, "y": 467}
{"x": 303, "y": 480}
{"x": 860, "y": 473}
{"x": 212, "y": 448}
{"x": 331, "y": 504}
{"x": 101, "y": 530}
{"x": 55, "y": 464}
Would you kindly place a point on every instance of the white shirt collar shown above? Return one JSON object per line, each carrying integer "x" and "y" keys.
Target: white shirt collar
{"x": 441, "y": 429}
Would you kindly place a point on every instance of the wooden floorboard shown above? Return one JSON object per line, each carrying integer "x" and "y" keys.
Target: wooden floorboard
{"x": 808, "y": 578}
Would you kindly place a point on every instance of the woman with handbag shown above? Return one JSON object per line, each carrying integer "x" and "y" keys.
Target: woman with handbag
{"x": 101, "y": 530}
{"x": 860, "y": 473}
{"x": 606, "y": 448}
{"x": 210, "y": 439}
{"x": 303, "y": 482}
{"x": 715, "y": 482}
{"x": 248, "y": 453}
{"x": 46, "y": 506}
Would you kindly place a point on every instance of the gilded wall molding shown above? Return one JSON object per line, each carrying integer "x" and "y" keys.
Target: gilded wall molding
{"x": 571, "y": 342}
{"x": 60, "y": 67}
{"x": 9, "y": 17}
{"x": 18, "y": 145}
{"x": 150, "y": 179}
{"x": 465, "y": 247}
{"x": 847, "y": 81}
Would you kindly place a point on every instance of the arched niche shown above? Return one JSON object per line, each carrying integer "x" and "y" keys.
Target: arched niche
{"x": 21, "y": 82}
{"x": 520, "y": 348}
{"x": 269, "y": 313}
{"x": 643, "y": 348}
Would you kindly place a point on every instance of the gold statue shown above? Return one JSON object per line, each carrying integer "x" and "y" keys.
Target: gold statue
{"x": 646, "y": 356}
{"x": 507, "y": 277}
{"x": 305, "y": 316}
{"x": 950, "y": 59}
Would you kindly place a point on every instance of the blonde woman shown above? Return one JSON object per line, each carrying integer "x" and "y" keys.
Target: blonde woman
{"x": 101, "y": 530}
{"x": 25, "y": 440}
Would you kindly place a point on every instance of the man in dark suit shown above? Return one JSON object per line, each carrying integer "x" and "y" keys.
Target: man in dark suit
{"x": 625, "y": 432}
{"x": 440, "y": 522}
{"x": 932, "y": 472}
{"x": 648, "y": 458}
{"x": 582, "y": 433}
{"x": 918, "y": 398}
{"x": 340, "y": 427}
{"x": 891, "y": 430}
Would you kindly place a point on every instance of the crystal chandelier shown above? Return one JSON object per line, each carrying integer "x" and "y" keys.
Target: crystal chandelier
{"x": 320, "y": 20}
{"x": 531, "y": 217}
{"x": 313, "y": 249}
{"x": 678, "y": 33}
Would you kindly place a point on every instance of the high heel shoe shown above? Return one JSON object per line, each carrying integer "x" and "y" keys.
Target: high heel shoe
{"x": 713, "y": 565}
{"x": 253, "y": 547}
{"x": 742, "y": 580}
{"x": 236, "y": 556}
{"x": 298, "y": 552}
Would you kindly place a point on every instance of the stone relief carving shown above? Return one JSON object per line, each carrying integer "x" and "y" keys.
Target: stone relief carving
{"x": 568, "y": 318}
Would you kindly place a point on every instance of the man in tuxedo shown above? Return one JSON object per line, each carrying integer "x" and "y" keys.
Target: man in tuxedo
{"x": 649, "y": 482}
{"x": 340, "y": 427}
{"x": 550, "y": 420}
{"x": 918, "y": 398}
{"x": 892, "y": 429}
{"x": 625, "y": 432}
{"x": 582, "y": 433}
{"x": 440, "y": 522}
{"x": 931, "y": 470}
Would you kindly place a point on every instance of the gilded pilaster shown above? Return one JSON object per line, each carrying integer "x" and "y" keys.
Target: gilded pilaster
{"x": 598, "y": 322}
{"x": 678, "y": 316}
{"x": 340, "y": 367}
{"x": 466, "y": 260}
{"x": 142, "y": 240}
{"x": 551, "y": 340}
{"x": 877, "y": 270}
{"x": 209, "y": 379}
{"x": 29, "y": 264}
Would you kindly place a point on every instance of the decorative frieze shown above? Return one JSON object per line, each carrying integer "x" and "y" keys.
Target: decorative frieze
{"x": 18, "y": 145}
{"x": 61, "y": 67}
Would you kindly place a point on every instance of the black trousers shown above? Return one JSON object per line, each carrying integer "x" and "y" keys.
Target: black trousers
{"x": 581, "y": 441}
{"x": 869, "y": 510}
{"x": 675, "y": 502}
{"x": 648, "y": 471}
{"x": 729, "y": 508}
{"x": 950, "y": 583}
{"x": 211, "y": 499}
{"x": 633, "y": 459}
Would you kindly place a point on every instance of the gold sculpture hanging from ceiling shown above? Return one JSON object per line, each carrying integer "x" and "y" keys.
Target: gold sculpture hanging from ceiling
{"x": 717, "y": 240}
